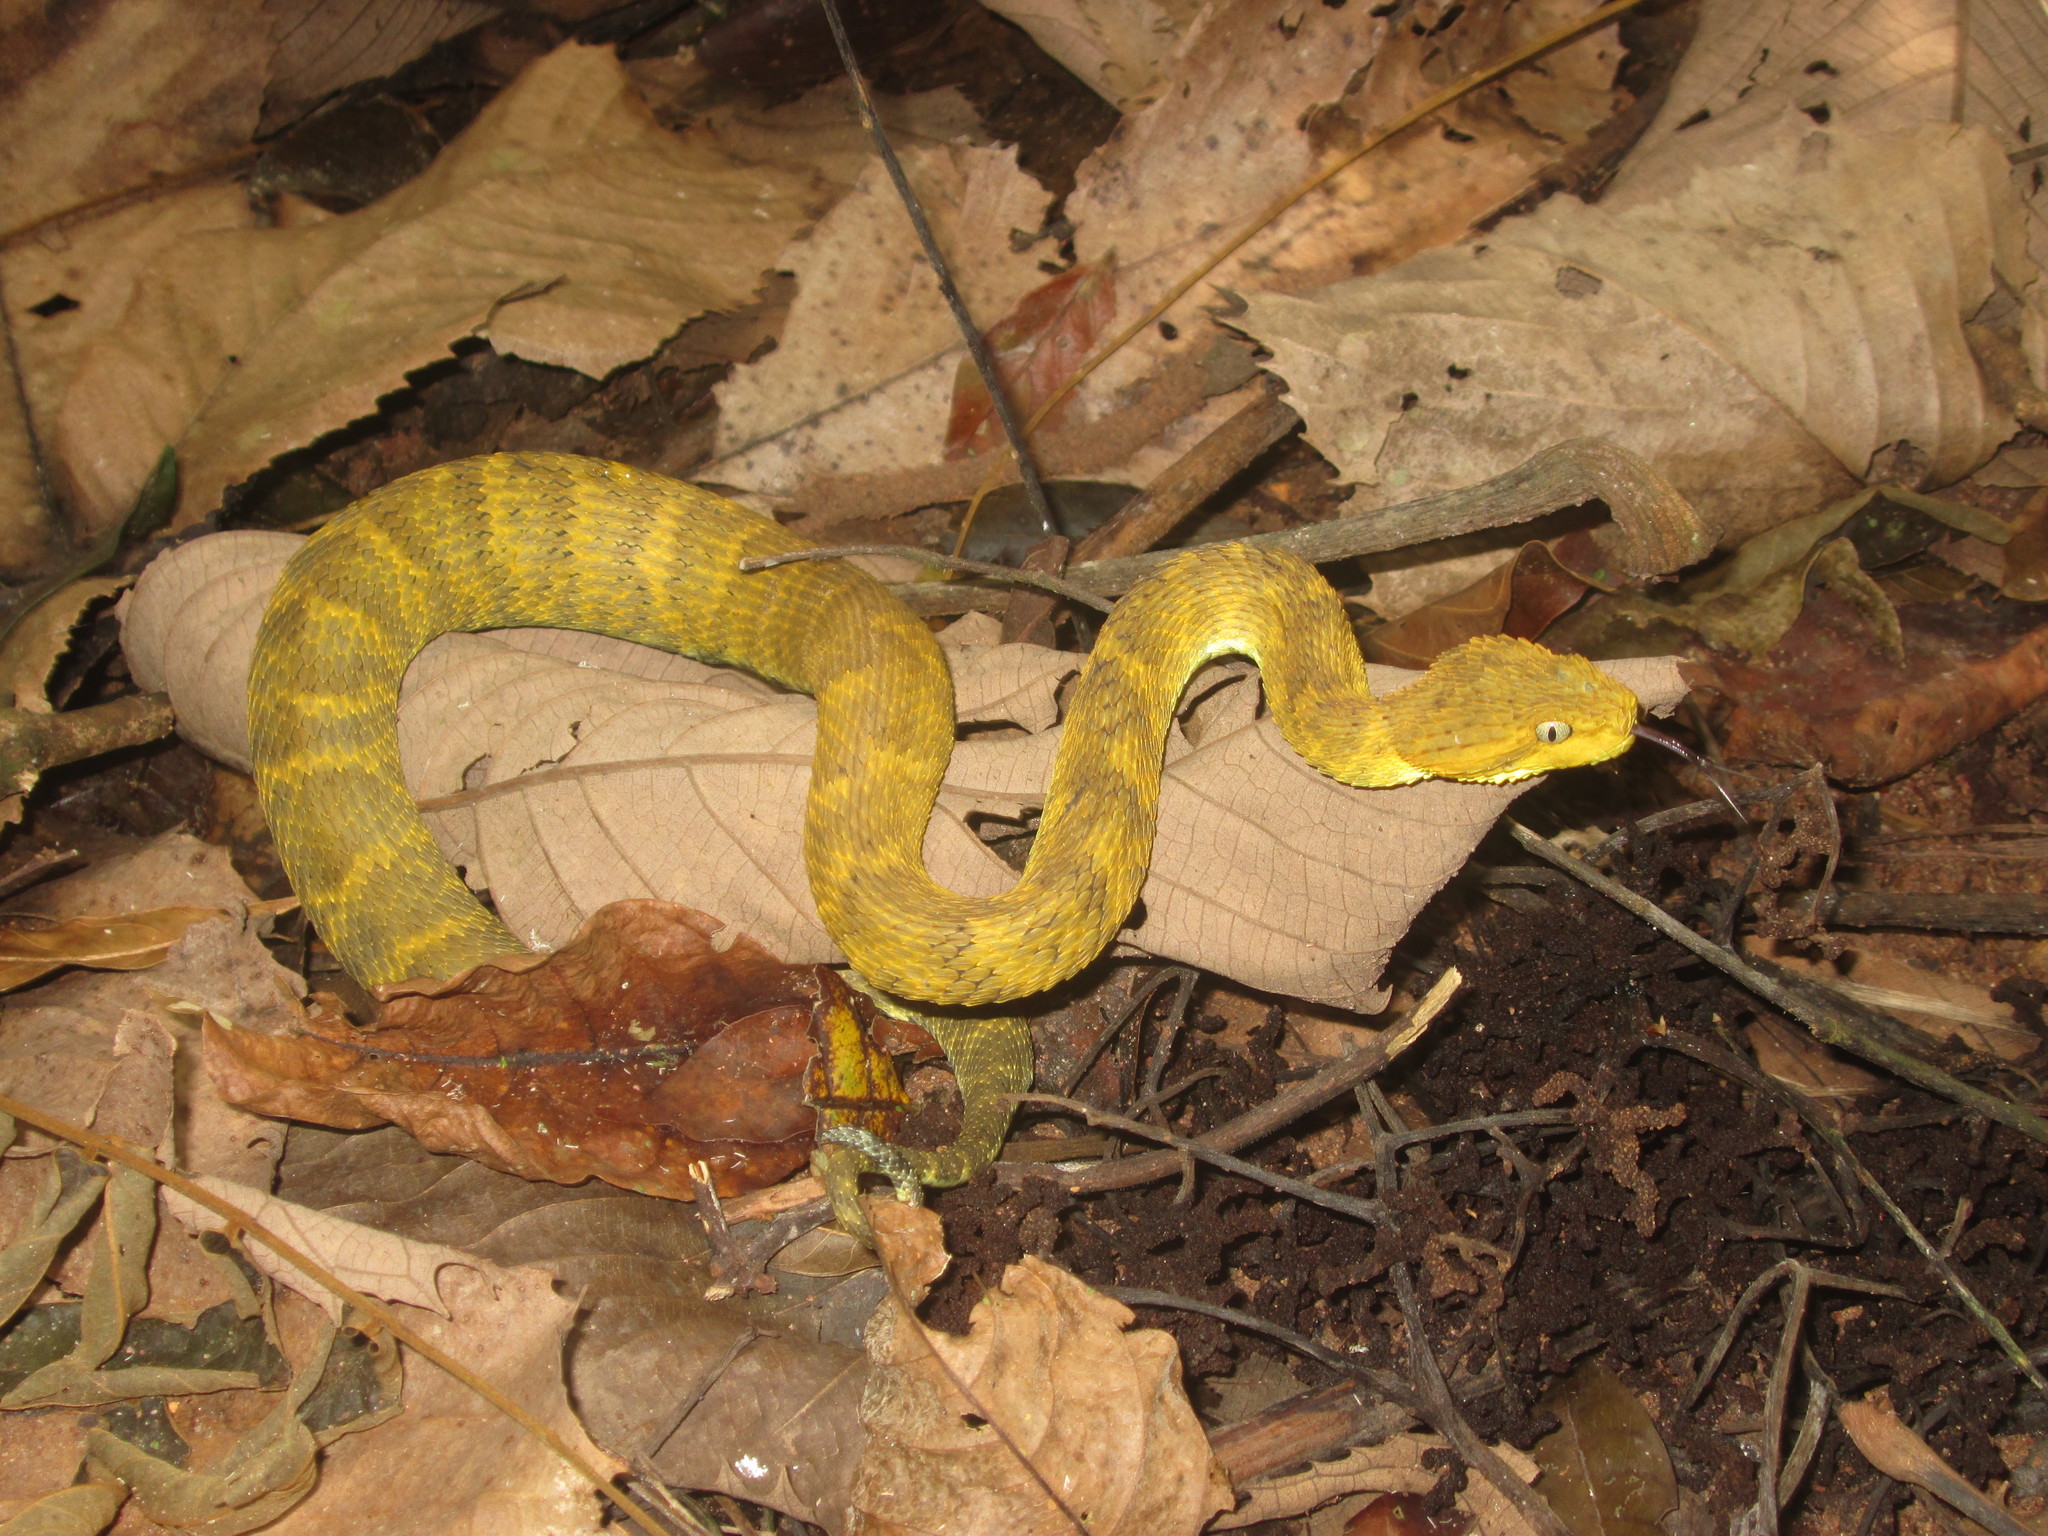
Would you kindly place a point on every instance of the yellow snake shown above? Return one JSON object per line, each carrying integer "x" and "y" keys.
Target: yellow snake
{"x": 573, "y": 543}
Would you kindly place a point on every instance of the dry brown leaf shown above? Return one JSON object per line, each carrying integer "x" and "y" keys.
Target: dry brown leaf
{"x": 1943, "y": 1007}
{"x": 451, "y": 1461}
{"x": 1175, "y": 182}
{"x": 379, "y": 1264}
{"x": 1119, "y": 49}
{"x": 691, "y": 790}
{"x": 777, "y": 1422}
{"x": 564, "y": 225}
{"x": 38, "y": 642}
{"x": 868, "y": 323}
{"x": 1803, "y": 1063}
{"x": 98, "y": 942}
{"x": 322, "y": 47}
{"x": 634, "y": 1053}
{"x": 1095, "y": 1405}
{"x": 1519, "y": 597}
{"x": 1395, "y": 1465}
{"x": 1606, "y": 1469}
{"x": 1871, "y": 65}
{"x": 1670, "y": 327}
{"x": 117, "y": 96}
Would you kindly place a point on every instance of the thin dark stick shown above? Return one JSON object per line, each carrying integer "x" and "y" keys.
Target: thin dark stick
{"x": 1347, "y": 1205}
{"x": 1726, "y": 1061}
{"x": 1441, "y": 1410}
{"x": 1010, "y": 573}
{"x": 1386, "y": 1383}
{"x": 1284, "y": 1108}
{"x": 1027, "y": 471}
{"x": 699, "y": 1390}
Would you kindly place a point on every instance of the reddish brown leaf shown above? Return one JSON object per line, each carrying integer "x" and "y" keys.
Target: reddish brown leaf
{"x": 1519, "y": 598}
{"x": 1825, "y": 695}
{"x": 1037, "y": 346}
{"x": 1402, "y": 1514}
{"x": 633, "y": 1051}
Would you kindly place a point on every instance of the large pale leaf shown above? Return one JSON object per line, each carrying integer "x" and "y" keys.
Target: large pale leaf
{"x": 1870, "y": 65}
{"x": 669, "y": 779}
{"x": 1758, "y": 336}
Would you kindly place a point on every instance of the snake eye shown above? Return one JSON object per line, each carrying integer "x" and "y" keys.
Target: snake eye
{"x": 1551, "y": 732}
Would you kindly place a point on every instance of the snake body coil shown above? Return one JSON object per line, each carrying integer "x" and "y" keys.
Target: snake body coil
{"x": 552, "y": 540}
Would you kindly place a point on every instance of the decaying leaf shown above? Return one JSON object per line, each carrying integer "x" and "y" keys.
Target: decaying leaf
{"x": 554, "y": 225}
{"x": 1669, "y": 327}
{"x": 450, "y": 1460}
{"x": 1094, "y": 1405}
{"x": 677, "y": 782}
{"x": 41, "y": 637}
{"x": 771, "y": 1382}
{"x": 1038, "y": 348}
{"x": 636, "y": 1050}
{"x": 85, "y": 1509}
{"x": 1119, "y": 48}
{"x": 1519, "y": 597}
{"x": 1874, "y": 66}
{"x": 275, "y": 1464}
{"x": 379, "y": 1264}
{"x": 105, "y": 942}
{"x": 1179, "y": 177}
{"x": 1606, "y": 1471}
{"x": 1826, "y": 696}
{"x": 116, "y": 98}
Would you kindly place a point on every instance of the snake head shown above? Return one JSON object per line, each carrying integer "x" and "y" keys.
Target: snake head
{"x": 1496, "y": 709}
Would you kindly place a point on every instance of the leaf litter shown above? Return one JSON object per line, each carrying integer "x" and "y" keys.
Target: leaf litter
{"x": 1500, "y": 1219}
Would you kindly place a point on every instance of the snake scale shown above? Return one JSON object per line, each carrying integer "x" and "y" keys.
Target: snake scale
{"x": 573, "y": 543}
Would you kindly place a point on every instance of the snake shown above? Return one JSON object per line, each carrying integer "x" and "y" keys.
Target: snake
{"x": 561, "y": 541}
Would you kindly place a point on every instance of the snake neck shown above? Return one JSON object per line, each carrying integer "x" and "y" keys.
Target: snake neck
{"x": 1093, "y": 847}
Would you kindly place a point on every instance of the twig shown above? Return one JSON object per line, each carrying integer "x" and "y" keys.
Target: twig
{"x": 1655, "y": 528}
{"x": 1386, "y": 1383}
{"x": 1394, "y": 1142}
{"x": 117, "y": 1152}
{"x": 1282, "y": 1109}
{"x": 1443, "y": 1414}
{"x": 1009, "y": 573}
{"x": 1027, "y": 471}
{"x": 1804, "y": 1277}
{"x": 1888, "y": 1445}
{"x": 1140, "y": 1001}
{"x": 1837, "y": 1143}
{"x": 1347, "y": 1205}
{"x": 1828, "y": 1025}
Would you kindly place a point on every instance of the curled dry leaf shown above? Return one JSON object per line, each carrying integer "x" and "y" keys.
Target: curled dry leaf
{"x": 103, "y": 942}
{"x": 564, "y": 224}
{"x": 636, "y": 1050}
{"x": 1758, "y": 335}
{"x": 659, "y": 777}
{"x": 1606, "y": 1471}
{"x": 1094, "y": 1405}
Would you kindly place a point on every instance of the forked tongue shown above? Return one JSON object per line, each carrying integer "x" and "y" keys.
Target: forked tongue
{"x": 1712, "y": 770}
